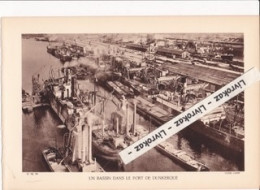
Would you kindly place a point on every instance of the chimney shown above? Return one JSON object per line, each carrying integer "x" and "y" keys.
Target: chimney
{"x": 72, "y": 86}
{"x": 103, "y": 123}
{"x": 83, "y": 148}
{"x": 117, "y": 126}
{"x": 90, "y": 144}
{"x": 127, "y": 119}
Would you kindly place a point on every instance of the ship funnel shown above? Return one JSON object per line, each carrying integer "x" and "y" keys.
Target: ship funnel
{"x": 83, "y": 147}
{"x": 90, "y": 144}
{"x": 127, "y": 119}
{"x": 117, "y": 126}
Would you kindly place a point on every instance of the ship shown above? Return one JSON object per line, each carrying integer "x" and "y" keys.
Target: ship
{"x": 76, "y": 153}
{"x": 110, "y": 140}
{"x": 181, "y": 157}
{"x": 227, "y": 57}
{"x": 44, "y": 39}
{"x": 107, "y": 139}
{"x": 67, "y": 52}
{"x": 108, "y": 143}
{"x": 60, "y": 52}
{"x": 54, "y": 160}
{"x": 51, "y": 49}
{"x": 179, "y": 94}
{"x": 104, "y": 140}
{"x": 62, "y": 94}
{"x": 212, "y": 126}
{"x": 62, "y": 160}
{"x": 26, "y": 102}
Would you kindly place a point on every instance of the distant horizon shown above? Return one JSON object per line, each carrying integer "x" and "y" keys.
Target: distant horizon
{"x": 204, "y": 36}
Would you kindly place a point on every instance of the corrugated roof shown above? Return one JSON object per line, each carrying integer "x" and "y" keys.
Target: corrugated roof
{"x": 144, "y": 47}
{"x": 172, "y": 51}
{"x": 209, "y": 75}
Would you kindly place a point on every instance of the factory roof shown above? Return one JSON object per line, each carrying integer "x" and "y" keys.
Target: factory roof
{"x": 170, "y": 50}
{"x": 213, "y": 76}
{"x": 138, "y": 46}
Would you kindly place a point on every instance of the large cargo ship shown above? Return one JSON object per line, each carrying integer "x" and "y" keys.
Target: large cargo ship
{"x": 67, "y": 52}
{"x": 105, "y": 140}
{"x": 212, "y": 126}
{"x": 76, "y": 155}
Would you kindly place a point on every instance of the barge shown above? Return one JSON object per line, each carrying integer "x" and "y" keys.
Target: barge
{"x": 181, "y": 157}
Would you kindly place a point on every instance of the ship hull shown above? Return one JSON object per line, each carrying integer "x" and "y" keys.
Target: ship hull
{"x": 53, "y": 165}
{"x": 57, "y": 108}
{"x": 100, "y": 152}
{"x": 179, "y": 161}
{"x": 221, "y": 138}
{"x": 50, "y": 156}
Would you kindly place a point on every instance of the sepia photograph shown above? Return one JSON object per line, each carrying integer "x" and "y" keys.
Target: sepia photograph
{"x": 88, "y": 96}
{"x": 130, "y": 102}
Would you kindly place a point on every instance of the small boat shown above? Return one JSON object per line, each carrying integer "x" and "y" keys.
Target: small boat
{"x": 54, "y": 160}
{"x": 44, "y": 39}
{"x": 51, "y": 49}
{"x": 27, "y": 107}
{"x": 227, "y": 57}
{"x": 181, "y": 157}
{"x": 58, "y": 163}
{"x": 223, "y": 65}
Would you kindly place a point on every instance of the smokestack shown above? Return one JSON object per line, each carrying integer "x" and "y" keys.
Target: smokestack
{"x": 117, "y": 123}
{"x": 72, "y": 86}
{"x": 83, "y": 148}
{"x": 127, "y": 119}
{"x": 76, "y": 148}
{"x": 90, "y": 144}
{"x": 103, "y": 123}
